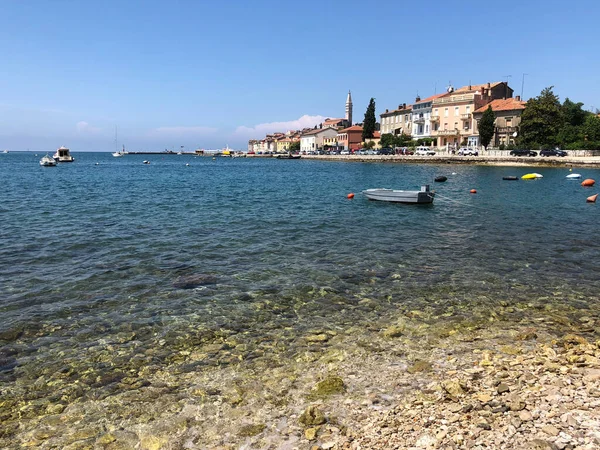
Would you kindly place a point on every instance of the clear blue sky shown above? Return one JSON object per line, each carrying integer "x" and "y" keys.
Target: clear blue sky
{"x": 209, "y": 74}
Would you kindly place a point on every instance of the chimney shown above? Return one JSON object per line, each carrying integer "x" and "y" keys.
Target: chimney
{"x": 386, "y": 110}
{"x": 518, "y": 97}
{"x": 489, "y": 85}
{"x": 403, "y": 105}
{"x": 418, "y": 99}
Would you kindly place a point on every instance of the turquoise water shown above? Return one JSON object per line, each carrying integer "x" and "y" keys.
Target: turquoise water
{"x": 95, "y": 257}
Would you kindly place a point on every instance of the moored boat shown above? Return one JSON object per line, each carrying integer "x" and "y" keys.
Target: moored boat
{"x": 425, "y": 195}
{"x": 63, "y": 154}
{"x": 47, "y": 161}
{"x": 573, "y": 176}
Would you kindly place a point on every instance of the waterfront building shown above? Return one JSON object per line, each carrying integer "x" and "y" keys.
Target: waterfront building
{"x": 508, "y": 118}
{"x": 314, "y": 139}
{"x": 452, "y": 113}
{"x": 421, "y": 116}
{"x": 398, "y": 121}
{"x": 350, "y": 138}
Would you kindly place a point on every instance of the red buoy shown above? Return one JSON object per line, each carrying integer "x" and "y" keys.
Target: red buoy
{"x": 592, "y": 198}
{"x": 350, "y": 195}
{"x": 588, "y": 182}
{"x": 473, "y": 191}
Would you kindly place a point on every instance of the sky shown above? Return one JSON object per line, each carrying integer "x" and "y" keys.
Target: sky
{"x": 205, "y": 74}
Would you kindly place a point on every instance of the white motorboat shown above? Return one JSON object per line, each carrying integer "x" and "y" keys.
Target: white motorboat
{"x": 574, "y": 176}
{"x": 47, "y": 161}
{"x": 5, "y": 151}
{"x": 425, "y": 195}
{"x": 63, "y": 154}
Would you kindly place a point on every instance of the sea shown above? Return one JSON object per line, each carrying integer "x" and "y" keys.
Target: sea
{"x": 109, "y": 265}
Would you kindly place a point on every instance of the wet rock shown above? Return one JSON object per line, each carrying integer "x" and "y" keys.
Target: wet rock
{"x": 251, "y": 430}
{"x": 194, "y": 281}
{"x": 311, "y": 433}
{"x": 502, "y": 388}
{"x": 419, "y": 366}
{"x": 539, "y": 444}
{"x": 329, "y": 386}
{"x": 312, "y": 416}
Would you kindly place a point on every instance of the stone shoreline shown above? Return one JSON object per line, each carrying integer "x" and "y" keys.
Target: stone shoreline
{"x": 583, "y": 161}
{"x": 410, "y": 384}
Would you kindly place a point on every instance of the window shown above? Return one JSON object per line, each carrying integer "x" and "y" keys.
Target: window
{"x": 445, "y": 112}
{"x": 456, "y": 111}
{"x": 435, "y": 127}
{"x": 426, "y": 128}
{"x": 445, "y": 125}
{"x": 406, "y": 117}
{"x": 436, "y": 111}
{"x": 509, "y": 121}
{"x": 468, "y": 109}
{"x": 456, "y": 125}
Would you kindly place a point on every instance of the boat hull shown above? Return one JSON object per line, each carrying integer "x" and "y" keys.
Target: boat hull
{"x": 399, "y": 196}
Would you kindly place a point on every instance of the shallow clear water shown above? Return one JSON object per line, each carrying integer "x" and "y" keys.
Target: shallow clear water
{"x": 92, "y": 255}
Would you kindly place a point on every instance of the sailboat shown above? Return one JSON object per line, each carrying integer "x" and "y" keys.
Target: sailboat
{"x": 118, "y": 153}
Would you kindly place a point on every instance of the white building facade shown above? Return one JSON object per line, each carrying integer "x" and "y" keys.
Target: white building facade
{"x": 313, "y": 140}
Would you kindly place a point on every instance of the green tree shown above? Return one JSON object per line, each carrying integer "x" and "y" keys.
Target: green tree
{"x": 294, "y": 146}
{"x": 369, "y": 145}
{"x": 541, "y": 120}
{"x": 591, "y": 128}
{"x": 387, "y": 140}
{"x": 369, "y": 124}
{"x": 486, "y": 127}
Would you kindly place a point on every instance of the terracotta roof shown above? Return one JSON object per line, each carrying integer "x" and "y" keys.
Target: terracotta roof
{"x": 354, "y": 128}
{"x": 433, "y": 97}
{"x": 376, "y": 134}
{"x": 509, "y": 104}
{"x": 318, "y": 130}
{"x": 477, "y": 87}
{"x": 332, "y": 121}
{"x": 408, "y": 108}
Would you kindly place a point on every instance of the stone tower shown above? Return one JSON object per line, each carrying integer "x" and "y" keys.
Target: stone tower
{"x": 349, "y": 109}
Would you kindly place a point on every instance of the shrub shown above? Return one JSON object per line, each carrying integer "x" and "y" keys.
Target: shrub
{"x": 502, "y": 147}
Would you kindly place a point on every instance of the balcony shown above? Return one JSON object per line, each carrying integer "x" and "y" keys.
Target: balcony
{"x": 419, "y": 120}
{"x": 454, "y": 99}
{"x": 435, "y": 117}
{"x": 453, "y": 132}
{"x": 465, "y": 116}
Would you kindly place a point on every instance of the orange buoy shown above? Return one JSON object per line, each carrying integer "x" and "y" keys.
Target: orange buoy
{"x": 588, "y": 182}
{"x": 592, "y": 198}
{"x": 473, "y": 191}
{"x": 350, "y": 195}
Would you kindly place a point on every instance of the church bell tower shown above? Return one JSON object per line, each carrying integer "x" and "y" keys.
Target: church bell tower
{"x": 349, "y": 109}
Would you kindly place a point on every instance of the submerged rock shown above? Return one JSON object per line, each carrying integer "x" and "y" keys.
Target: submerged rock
{"x": 312, "y": 416}
{"x": 194, "y": 281}
{"x": 329, "y": 386}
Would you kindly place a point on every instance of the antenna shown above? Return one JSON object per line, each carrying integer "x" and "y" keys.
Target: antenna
{"x": 522, "y": 85}
{"x": 507, "y": 77}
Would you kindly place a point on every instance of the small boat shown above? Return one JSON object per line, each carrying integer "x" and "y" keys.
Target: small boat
{"x": 510, "y": 177}
{"x": 5, "y": 151}
{"x": 288, "y": 156}
{"x": 573, "y": 176}
{"x": 63, "y": 155}
{"x": 47, "y": 161}
{"x": 440, "y": 179}
{"x": 425, "y": 195}
{"x": 146, "y": 162}
{"x": 531, "y": 176}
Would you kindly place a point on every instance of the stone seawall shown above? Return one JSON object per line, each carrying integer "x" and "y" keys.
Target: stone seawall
{"x": 454, "y": 159}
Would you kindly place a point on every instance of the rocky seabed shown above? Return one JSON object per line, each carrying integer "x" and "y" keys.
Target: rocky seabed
{"x": 401, "y": 385}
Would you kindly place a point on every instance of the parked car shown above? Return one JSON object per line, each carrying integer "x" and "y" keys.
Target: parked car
{"x": 345, "y": 152}
{"x": 386, "y": 151}
{"x": 424, "y": 151}
{"x": 522, "y": 152}
{"x": 466, "y": 151}
{"x": 554, "y": 152}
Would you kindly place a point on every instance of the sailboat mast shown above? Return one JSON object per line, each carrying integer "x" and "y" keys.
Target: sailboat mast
{"x": 116, "y": 148}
